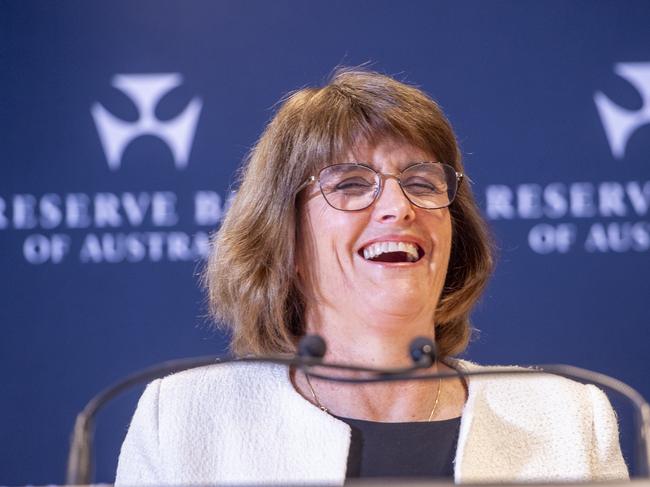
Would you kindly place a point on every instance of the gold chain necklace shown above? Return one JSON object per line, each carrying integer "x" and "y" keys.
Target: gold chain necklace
{"x": 324, "y": 409}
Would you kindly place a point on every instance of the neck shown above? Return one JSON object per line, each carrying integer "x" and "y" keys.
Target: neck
{"x": 378, "y": 341}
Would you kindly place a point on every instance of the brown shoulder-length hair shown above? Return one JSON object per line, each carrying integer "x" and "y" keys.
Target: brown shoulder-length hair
{"x": 254, "y": 290}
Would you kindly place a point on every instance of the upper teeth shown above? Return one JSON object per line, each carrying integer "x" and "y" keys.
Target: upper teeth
{"x": 373, "y": 250}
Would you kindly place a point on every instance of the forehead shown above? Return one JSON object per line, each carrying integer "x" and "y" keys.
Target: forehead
{"x": 389, "y": 155}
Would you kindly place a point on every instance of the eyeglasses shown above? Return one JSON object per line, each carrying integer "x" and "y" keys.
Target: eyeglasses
{"x": 355, "y": 186}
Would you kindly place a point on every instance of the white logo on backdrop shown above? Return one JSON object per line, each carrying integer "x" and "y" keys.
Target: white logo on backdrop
{"x": 596, "y": 217}
{"x": 146, "y": 90}
{"x": 620, "y": 123}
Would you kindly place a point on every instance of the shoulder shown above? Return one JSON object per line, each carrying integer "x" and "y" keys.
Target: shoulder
{"x": 524, "y": 395}
{"x": 184, "y": 396}
{"x": 220, "y": 398}
{"x": 570, "y": 424}
{"x": 220, "y": 383}
{"x": 514, "y": 377}
{"x": 229, "y": 373}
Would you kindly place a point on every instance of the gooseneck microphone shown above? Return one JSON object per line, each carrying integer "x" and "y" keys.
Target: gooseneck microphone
{"x": 423, "y": 351}
{"x": 311, "y": 352}
{"x": 312, "y": 346}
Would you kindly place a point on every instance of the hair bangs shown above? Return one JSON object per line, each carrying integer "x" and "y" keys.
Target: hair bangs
{"x": 336, "y": 126}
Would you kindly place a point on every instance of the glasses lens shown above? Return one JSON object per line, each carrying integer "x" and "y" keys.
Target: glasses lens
{"x": 349, "y": 187}
{"x": 430, "y": 185}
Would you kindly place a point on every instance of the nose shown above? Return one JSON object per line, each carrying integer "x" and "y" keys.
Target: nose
{"x": 392, "y": 204}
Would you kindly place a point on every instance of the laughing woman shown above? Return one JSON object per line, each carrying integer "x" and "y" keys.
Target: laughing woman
{"x": 354, "y": 221}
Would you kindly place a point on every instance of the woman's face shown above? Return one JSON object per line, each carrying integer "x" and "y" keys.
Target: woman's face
{"x": 331, "y": 259}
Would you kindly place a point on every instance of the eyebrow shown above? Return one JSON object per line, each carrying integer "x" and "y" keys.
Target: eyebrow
{"x": 400, "y": 168}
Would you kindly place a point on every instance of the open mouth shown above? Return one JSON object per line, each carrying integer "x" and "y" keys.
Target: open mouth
{"x": 392, "y": 252}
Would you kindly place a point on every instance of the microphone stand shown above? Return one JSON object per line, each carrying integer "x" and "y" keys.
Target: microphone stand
{"x": 80, "y": 457}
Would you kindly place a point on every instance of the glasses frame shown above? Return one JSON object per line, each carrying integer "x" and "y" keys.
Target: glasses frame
{"x": 382, "y": 178}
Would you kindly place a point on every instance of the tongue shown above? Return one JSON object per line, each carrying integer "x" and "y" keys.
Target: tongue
{"x": 391, "y": 257}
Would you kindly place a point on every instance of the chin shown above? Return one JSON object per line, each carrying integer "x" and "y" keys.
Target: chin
{"x": 399, "y": 302}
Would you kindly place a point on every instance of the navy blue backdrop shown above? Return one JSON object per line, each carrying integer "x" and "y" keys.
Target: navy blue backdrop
{"x": 122, "y": 124}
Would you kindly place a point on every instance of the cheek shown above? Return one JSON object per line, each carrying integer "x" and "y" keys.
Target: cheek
{"x": 441, "y": 235}
{"x": 438, "y": 225}
{"x": 448, "y": 234}
{"x": 335, "y": 238}
{"x": 321, "y": 234}
{"x": 325, "y": 261}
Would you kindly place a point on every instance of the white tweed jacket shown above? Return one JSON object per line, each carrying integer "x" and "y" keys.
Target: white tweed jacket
{"x": 246, "y": 424}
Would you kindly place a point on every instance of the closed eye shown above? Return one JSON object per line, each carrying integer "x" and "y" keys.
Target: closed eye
{"x": 353, "y": 184}
{"x": 423, "y": 187}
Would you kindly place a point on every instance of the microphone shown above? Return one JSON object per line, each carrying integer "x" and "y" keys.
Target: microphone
{"x": 312, "y": 347}
{"x": 423, "y": 352}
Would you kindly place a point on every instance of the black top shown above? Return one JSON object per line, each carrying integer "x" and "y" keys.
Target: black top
{"x": 415, "y": 450}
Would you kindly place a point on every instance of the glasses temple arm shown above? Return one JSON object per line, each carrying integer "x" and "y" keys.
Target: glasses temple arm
{"x": 309, "y": 180}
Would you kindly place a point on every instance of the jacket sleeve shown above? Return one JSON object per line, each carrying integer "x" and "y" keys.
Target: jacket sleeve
{"x": 139, "y": 463}
{"x": 608, "y": 463}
